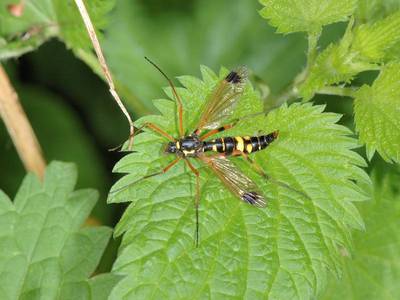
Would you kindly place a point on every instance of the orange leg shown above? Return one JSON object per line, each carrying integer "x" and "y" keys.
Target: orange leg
{"x": 198, "y": 131}
{"x": 159, "y": 130}
{"x": 215, "y": 131}
{"x": 197, "y": 199}
{"x": 163, "y": 171}
{"x": 256, "y": 166}
{"x": 262, "y": 173}
{"x": 152, "y": 127}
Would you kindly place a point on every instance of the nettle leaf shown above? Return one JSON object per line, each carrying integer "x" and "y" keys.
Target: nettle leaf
{"x": 336, "y": 64}
{"x": 42, "y": 20}
{"x": 72, "y": 29}
{"x": 296, "y": 15}
{"x": 377, "y": 109}
{"x": 372, "y": 10}
{"x": 394, "y": 52}
{"x": 373, "y": 270}
{"x": 330, "y": 67}
{"x": 360, "y": 49}
{"x": 282, "y": 252}
{"x": 373, "y": 41}
{"x": 44, "y": 252}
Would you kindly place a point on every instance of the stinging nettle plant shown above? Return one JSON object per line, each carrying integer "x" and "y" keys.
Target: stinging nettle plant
{"x": 286, "y": 250}
{"x": 363, "y": 47}
{"x": 45, "y": 254}
{"x": 291, "y": 243}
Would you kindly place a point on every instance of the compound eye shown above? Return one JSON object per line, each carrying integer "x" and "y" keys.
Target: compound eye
{"x": 171, "y": 148}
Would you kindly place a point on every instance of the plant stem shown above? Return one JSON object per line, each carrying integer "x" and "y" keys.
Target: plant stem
{"x": 21, "y": 132}
{"x": 107, "y": 74}
{"x": 313, "y": 38}
{"x": 19, "y": 128}
{"x": 134, "y": 103}
{"x": 292, "y": 91}
{"x": 338, "y": 91}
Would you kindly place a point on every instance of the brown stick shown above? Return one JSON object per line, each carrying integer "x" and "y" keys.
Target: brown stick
{"x": 21, "y": 132}
{"x": 19, "y": 128}
{"x": 103, "y": 64}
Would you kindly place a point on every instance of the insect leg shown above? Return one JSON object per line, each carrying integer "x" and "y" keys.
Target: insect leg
{"x": 215, "y": 131}
{"x": 163, "y": 171}
{"x": 197, "y": 199}
{"x": 198, "y": 131}
{"x": 150, "y": 126}
{"x": 261, "y": 172}
{"x": 255, "y": 166}
{"x": 176, "y": 95}
{"x": 157, "y": 129}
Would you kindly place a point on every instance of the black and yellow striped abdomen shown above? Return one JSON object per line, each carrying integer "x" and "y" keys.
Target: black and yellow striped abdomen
{"x": 245, "y": 144}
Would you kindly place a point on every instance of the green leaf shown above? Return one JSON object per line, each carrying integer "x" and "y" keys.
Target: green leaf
{"x": 394, "y": 52}
{"x": 72, "y": 30}
{"x": 377, "y": 109}
{"x": 372, "y": 270}
{"x": 44, "y": 254}
{"x": 281, "y": 252}
{"x": 102, "y": 285}
{"x": 336, "y": 64}
{"x": 43, "y": 19}
{"x": 65, "y": 126}
{"x": 360, "y": 49}
{"x": 373, "y": 41}
{"x": 373, "y": 10}
{"x": 296, "y": 15}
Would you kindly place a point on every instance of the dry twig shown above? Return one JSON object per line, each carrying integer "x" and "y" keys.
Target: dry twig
{"x": 104, "y": 67}
{"x": 19, "y": 128}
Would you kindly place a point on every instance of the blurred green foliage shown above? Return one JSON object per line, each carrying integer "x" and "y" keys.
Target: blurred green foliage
{"x": 181, "y": 37}
{"x": 372, "y": 269}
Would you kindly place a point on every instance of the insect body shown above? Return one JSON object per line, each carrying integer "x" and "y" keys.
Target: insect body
{"x": 218, "y": 107}
{"x": 243, "y": 144}
{"x": 192, "y": 146}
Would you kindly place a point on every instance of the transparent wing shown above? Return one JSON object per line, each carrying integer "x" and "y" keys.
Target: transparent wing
{"x": 221, "y": 102}
{"x": 238, "y": 183}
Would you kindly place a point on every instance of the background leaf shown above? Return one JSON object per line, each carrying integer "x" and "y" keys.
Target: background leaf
{"x": 360, "y": 49}
{"x": 43, "y": 252}
{"x": 195, "y": 33}
{"x": 337, "y": 63}
{"x": 372, "y": 10}
{"x": 334, "y": 65}
{"x": 283, "y": 251}
{"x": 65, "y": 139}
{"x": 377, "y": 109}
{"x": 295, "y": 15}
{"x": 43, "y": 19}
{"x": 373, "y": 41}
{"x": 372, "y": 270}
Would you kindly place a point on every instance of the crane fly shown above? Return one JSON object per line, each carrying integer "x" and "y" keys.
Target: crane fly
{"x": 219, "y": 105}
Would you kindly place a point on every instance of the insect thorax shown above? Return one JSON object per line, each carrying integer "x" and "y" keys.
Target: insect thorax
{"x": 187, "y": 146}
